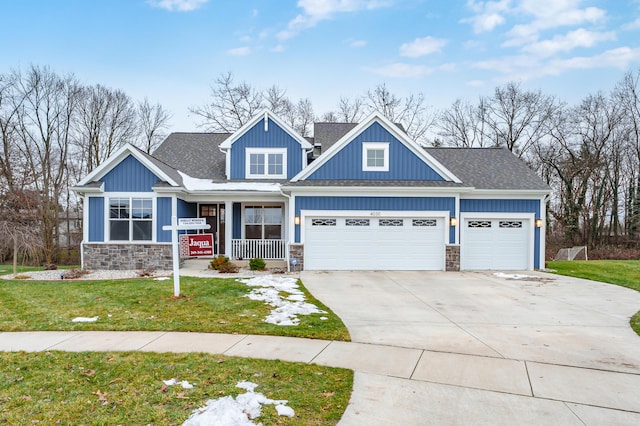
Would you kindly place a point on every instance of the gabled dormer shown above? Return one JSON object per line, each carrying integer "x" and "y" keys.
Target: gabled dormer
{"x": 376, "y": 150}
{"x": 265, "y": 148}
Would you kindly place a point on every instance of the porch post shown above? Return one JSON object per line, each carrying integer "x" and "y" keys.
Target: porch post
{"x": 228, "y": 227}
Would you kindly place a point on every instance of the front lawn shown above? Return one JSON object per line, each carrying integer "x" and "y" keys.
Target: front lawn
{"x": 625, "y": 273}
{"x": 213, "y": 305}
{"x": 8, "y": 269}
{"x": 127, "y": 388}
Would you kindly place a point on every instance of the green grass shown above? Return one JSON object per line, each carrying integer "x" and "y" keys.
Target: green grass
{"x": 126, "y": 388}
{"x": 206, "y": 305}
{"x": 625, "y": 273}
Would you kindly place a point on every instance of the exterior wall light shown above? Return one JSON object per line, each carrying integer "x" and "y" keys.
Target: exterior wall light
{"x": 539, "y": 223}
{"x": 296, "y": 220}
{"x": 453, "y": 221}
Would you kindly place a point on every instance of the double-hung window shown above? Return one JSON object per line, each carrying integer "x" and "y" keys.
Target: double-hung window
{"x": 266, "y": 163}
{"x": 263, "y": 222}
{"x": 130, "y": 219}
{"x": 375, "y": 156}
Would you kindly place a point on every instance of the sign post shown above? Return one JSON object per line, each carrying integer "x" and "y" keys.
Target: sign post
{"x": 181, "y": 225}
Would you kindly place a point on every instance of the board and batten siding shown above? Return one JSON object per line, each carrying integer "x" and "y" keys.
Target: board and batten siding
{"x": 96, "y": 219}
{"x": 163, "y": 217}
{"x": 507, "y": 206}
{"x": 347, "y": 163}
{"x": 256, "y": 137}
{"x": 129, "y": 176}
{"x": 368, "y": 204}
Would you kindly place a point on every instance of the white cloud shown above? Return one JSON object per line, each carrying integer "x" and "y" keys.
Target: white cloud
{"x": 239, "y": 51}
{"x": 633, "y": 25}
{"x": 422, "y": 46}
{"x": 357, "y": 43}
{"x": 488, "y": 14}
{"x": 402, "y": 70}
{"x": 549, "y": 14}
{"x": 620, "y": 58}
{"x": 314, "y": 11}
{"x": 178, "y": 5}
{"x": 277, "y": 49}
{"x": 568, "y": 42}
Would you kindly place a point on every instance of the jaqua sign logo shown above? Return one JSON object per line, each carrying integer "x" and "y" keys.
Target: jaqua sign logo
{"x": 196, "y": 245}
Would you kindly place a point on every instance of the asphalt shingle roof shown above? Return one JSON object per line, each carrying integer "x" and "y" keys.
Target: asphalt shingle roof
{"x": 195, "y": 154}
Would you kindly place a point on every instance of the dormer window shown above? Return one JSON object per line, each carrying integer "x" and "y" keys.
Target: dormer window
{"x": 266, "y": 163}
{"x": 375, "y": 156}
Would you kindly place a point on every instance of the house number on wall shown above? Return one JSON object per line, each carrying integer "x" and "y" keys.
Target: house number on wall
{"x": 375, "y": 213}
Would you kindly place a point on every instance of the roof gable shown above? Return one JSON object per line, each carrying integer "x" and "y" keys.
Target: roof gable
{"x": 162, "y": 171}
{"x": 266, "y": 117}
{"x": 407, "y": 160}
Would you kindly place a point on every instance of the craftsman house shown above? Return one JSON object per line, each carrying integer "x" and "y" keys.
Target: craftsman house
{"x": 354, "y": 197}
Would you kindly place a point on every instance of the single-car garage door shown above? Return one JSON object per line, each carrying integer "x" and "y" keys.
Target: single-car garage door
{"x": 495, "y": 244}
{"x": 374, "y": 243}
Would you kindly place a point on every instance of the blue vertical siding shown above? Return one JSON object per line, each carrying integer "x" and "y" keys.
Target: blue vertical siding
{"x": 418, "y": 204}
{"x": 508, "y": 206}
{"x": 347, "y": 163}
{"x": 129, "y": 176}
{"x": 163, "y": 217}
{"x": 256, "y": 137}
{"x": 96, "y": 219}
{"x": 186, "y": 209}
{"x": 237, "y": 221}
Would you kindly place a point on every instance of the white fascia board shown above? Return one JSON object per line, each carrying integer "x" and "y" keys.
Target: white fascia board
{"x": 80, "y": 190}
{"x": 370, "y": 191}
{"x": 265, "y": 114}
{"x": 115, "y": 158}
{"x": 391, "y": 128}
{"x": 480, "y": 194}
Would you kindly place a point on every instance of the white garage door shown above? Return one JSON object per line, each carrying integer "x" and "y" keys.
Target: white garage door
{"x": 495, "y": 244}
{"x": 366, "y": 243}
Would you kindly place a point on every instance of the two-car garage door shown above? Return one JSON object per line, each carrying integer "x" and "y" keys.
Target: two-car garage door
{"x": 374, "y": 243}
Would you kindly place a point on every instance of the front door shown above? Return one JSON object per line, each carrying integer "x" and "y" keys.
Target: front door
{"x": 215, "y": 217}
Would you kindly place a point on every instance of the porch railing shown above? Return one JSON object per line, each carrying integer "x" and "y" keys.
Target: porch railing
{"x": 266, "y": 249}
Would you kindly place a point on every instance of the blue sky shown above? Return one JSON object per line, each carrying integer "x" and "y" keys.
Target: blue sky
{"x": 172, "y": 50}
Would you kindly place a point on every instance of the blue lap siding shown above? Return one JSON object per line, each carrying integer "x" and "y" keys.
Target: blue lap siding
{"x": 508, "y": 206}
{"x": 376, "y": 203}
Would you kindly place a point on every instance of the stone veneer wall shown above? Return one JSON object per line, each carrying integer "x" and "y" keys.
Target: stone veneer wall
{"x": 297, "y": 251}
{"x": 127, "y": 256}
{"x": 452, "y": 258}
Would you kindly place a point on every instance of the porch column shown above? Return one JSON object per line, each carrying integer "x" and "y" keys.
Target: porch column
{"x": 228, "y": 227}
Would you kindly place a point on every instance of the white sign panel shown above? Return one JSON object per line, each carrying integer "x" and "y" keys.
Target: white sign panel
{"x": 191, "y": 221}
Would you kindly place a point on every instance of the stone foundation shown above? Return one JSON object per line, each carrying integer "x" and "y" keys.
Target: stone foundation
{"x": 296, "y": 251}
{"x": 127, "y": 256}
{"x": 452, "y": 258}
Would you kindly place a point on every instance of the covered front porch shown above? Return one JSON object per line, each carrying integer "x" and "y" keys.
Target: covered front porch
{"x": 243, "y": 230}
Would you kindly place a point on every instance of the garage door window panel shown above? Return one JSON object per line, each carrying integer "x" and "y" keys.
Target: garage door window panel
{"x": 391, "y": 222}
{"x": 357, "y": 222}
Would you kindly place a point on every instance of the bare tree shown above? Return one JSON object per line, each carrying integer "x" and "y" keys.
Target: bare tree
{"x": 45, "y": 131}
{"x": 231, "y": 105}
{"x": 153, "y": 120}
{"x": 350, "y": 111}
{"x": 464, "y": 125}
{"x": 107, "y": 119}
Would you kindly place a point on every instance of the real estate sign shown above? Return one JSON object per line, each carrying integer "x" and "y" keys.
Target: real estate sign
{"x": 196, "y": 245}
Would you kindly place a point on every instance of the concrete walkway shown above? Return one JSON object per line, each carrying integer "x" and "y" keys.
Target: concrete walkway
{"x": 455, "y": 375}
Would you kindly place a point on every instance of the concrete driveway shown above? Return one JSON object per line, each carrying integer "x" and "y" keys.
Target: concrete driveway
{"x": 495, "y": 350}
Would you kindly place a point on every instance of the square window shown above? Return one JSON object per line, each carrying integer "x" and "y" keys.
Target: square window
{"x": 256, "y": 164}
{"x": 375, "y": 156}
{"x": 266, "y": 163}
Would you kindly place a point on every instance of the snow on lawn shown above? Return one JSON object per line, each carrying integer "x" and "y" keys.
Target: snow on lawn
{"x": 85, "y": 319}
{"x": 238, "y": 411}
{"x": 286, "y": 309}
{"x": 512, "y": 276}
{"x": 185, "y": 384}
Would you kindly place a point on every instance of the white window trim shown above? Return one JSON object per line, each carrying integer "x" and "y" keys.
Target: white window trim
{"x": 366, "y": 146}
{"x": 107, "y": 220}
{"x": 263, "y": 205}
{"x": 265, "y": 152}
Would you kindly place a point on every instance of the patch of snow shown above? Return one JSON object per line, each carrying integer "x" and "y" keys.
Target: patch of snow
{"x": 85, "y": 319}
{"x": 512, "y": 276}
{"x": 171, "y": 382}
{"x": 238, "y": 411}
{"x": 286, "y": 309}
{"x": 195, "y": 184}
{"x": 162, "y": 278}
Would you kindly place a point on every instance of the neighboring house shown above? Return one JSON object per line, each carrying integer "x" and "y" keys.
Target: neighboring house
{"x": 354, "y": 197}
